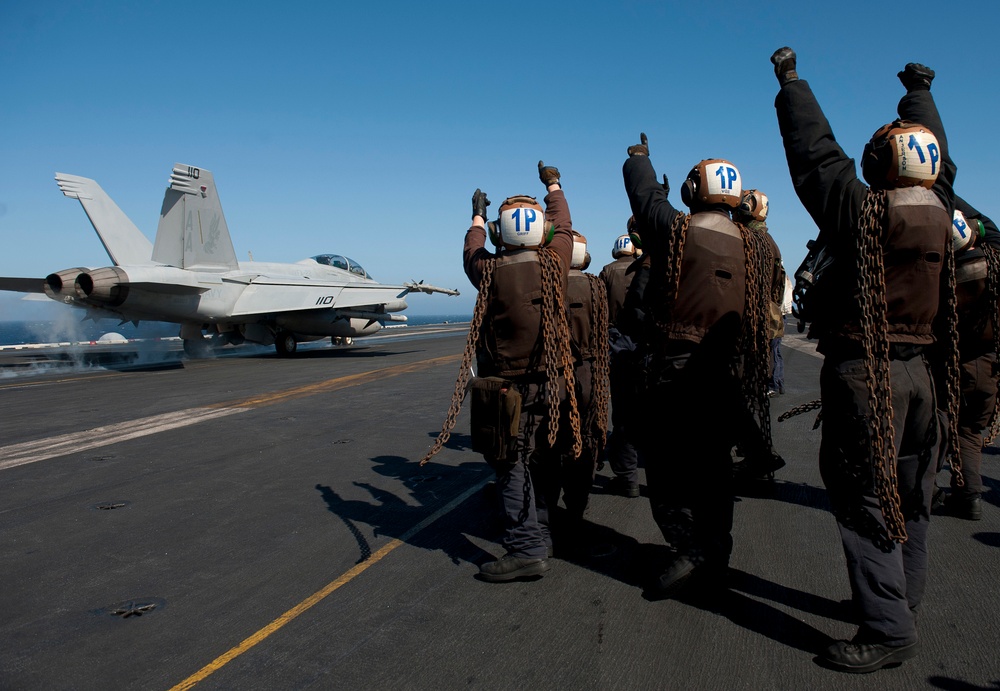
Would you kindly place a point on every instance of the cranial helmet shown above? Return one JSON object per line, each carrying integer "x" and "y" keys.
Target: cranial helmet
{"x": 581, "y": 257}
{"x": 901, "y": 154}
{"x": 711, "y": 182}
{"x": 753, "y": 206}
{"x": 521, "y": 224}
{"x": 623, "y": 247}
{"x": 963, "y": 231}
{"x": 632, "y": 228}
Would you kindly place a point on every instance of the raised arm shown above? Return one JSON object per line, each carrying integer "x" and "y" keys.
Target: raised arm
{"x": 475, "y": 254}
{"x": 557, "y": 213}
{"x": 653, "y": 212}
{"x": 918, "y": 106}
{"x": 825, "y": 178}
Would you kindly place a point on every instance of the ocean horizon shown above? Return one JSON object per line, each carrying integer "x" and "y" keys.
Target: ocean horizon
{"x": 21, "y": 332}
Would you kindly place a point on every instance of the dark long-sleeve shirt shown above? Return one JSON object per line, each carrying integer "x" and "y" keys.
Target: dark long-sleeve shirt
{"x": 913, "y": 234}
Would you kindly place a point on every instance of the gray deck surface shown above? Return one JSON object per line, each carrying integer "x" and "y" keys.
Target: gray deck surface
{"x": 290, "y": 487}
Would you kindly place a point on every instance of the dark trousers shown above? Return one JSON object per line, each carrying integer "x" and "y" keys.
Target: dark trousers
{"x": 525, "y": 535}
{"x": 556, "y": 470}
{"x": 887, "y": 578}
{"x": 685, "y": 444}
{"x": 979, "y": 393}
{"x": 622, "y": 454}
{"x": 777, "y": 382}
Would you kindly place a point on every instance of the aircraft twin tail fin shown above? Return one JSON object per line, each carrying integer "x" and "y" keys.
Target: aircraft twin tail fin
{"x": 192, "y": 233}
{"x": 125, "y": 244}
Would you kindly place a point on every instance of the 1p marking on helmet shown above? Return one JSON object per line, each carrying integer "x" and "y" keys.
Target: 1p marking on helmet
{"x": 713, "y": 181}
{"x": 521, "y": 224}
{"x": 623, "y": 247}
{"x": 901, "y": 154}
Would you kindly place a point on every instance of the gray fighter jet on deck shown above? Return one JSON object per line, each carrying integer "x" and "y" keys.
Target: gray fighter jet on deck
{"x": 191, "y": 277}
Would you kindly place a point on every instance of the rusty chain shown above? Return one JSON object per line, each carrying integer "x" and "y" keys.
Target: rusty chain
{"x": 992, "y": 300}
{"x": 755, "y": 345}
{"x": 875, "y": 342}
{"x": 601, "y": 385}
{"x": 465, "y": 369}
{"x": 557, "y": 352}
{"x": 953, "y": 372}
{"x": 669, "y": 280}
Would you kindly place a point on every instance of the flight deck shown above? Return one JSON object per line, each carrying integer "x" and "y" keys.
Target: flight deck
{"x": 259, "y": 522}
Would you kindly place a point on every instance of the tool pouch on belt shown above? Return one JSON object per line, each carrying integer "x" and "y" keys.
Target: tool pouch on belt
{"x": 776, "y": 325}
{"x": 496, "y": 411}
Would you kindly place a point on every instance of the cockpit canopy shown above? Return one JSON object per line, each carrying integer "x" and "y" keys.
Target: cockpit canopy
{"x": 341, "y": 262}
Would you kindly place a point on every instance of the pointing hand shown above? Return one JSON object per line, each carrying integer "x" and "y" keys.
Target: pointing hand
{"x": 640, "y": 149}
{"x": 549, "y": 175}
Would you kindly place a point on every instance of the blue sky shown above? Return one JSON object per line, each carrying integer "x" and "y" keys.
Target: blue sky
{"x": 363, "y": 128}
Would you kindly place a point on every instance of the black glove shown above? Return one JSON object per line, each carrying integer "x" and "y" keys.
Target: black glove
{"x": 784, "y": 65}
{"x": 640, "y": 149}
{"x": 916, "y": 77}
{"x": 666, "y": 186}
{"x": 549, "y": 175}
{"x": 479, "y": 203}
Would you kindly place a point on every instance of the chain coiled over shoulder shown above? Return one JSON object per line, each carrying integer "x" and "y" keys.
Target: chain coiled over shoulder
{"x": 669, "y": 276}
{"x": 875, "y": 334}
{"x": 601, "y": 394}
{"x": 953, "y": 372}
{"x": 465, "y": 369}
{"x": 992, "y": 299}
{"x": 754, "y": 345}
{"x": 557, "y": 353}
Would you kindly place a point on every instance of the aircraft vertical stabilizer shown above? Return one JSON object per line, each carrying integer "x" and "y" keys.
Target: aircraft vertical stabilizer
{"x": 124, "y": 243}
{"x": 192, "y": 233}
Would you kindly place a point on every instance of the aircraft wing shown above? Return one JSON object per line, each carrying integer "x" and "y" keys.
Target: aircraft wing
{"x": 22, "y": 285}
{"x": 265, "y": 295}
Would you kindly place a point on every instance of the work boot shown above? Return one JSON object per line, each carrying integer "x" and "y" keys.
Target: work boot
{"x": 859, "y": 658}
{"x": 509, "y": 568}
{"x": 624, "y": 487}
{"x": 938, "y": 498}
{"x": 760, "y": 467}
{"x": 968, "y": 507}
{"x": 675, "y": 577}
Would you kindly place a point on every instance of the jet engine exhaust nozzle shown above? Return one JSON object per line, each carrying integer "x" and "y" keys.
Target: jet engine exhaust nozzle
{"x": 107, "y": 286}
{"x": 59, "y": 286}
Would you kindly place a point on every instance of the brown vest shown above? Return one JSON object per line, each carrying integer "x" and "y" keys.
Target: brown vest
{"x": 616, "y": 283}
{"x": 713, "y": 278}
{"x": 511, "y": 339}
{"x": 975, "y": 327}
{"x": 913, "y": 246}
{"x": 579, "y": 299}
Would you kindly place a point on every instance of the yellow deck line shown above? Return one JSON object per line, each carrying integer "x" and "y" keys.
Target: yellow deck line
{"x": 249, "y": 642}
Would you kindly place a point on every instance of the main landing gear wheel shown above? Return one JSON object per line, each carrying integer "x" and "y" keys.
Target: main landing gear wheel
{"x": 285, "y": 344}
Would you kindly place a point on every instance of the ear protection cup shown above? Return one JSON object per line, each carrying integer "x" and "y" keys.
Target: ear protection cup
{"x": 689, "y": 191}
{"x": 876, "y": 159}
{"x": 636, "y": 239}
{"x": 494, "y": 233}
{"x": 753, "y": 206}
{"x": 550, "y": 233}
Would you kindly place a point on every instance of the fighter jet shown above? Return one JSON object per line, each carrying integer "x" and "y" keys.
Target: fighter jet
{"x": 191, "y": 277}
